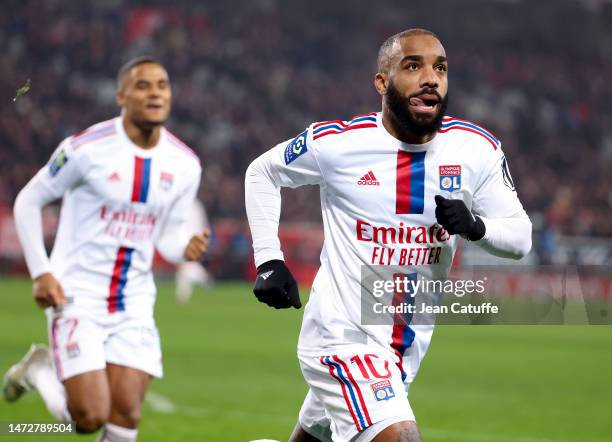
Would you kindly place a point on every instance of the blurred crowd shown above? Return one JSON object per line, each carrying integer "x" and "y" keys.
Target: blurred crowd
{"x": 247, "y": 75}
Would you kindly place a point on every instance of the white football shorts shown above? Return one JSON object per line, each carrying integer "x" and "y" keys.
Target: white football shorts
{"x": 352, "y": 397}
{"x": 81, "y": 341}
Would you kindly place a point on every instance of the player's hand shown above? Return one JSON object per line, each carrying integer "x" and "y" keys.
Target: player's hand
{"x": 276, "y": 286}
{"x": 48, "y": 292}
{"x": 456, "y": 218}
{"x": 197, "y": 246}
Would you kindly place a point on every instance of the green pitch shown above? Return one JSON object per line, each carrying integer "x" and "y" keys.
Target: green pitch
{"x": 231, "y": 374}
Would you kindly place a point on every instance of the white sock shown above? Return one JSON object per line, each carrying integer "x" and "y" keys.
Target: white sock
{"x": 44, "y": 379}
{"x": 115, "y": 433}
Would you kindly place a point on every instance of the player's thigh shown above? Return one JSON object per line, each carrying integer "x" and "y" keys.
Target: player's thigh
{"x": 133, "y": 356}
{"x": 404, "y": 431}
{"x": 313, "y": 422}
{"x": 88, "y": 397}
{"x": 300, "y": 435}
{"x": 128, "y": 387}
{"x": 134, "y": 343}
{"x": 358, "y": 390}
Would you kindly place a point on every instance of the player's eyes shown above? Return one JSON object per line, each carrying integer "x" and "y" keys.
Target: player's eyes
{"x": 412, "y": 66}
{"x": 442, "y": 68}
{"x": 142, "y": 85}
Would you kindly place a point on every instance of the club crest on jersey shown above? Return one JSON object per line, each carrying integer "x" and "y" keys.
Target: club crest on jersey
{"x": 296, "y": 148}
{"x": 383, "y": 391}
{"x": 58, "y": 162}
{"x": 165, "y": 180}
{"x": 450, "y": 178}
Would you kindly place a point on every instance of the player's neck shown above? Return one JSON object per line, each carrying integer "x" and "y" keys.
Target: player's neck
{"x": 397, "y": 131}
{"x": 144, "y": 137}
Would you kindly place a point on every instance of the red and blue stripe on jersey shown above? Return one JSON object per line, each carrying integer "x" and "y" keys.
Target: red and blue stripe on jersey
{"x": 409, "y": 199}
{"x": 410, "y": 183}
{"x": 142, "y": 177}
{"x": 449, "y": 124}
{"x": 140, "y": 193}
{"x": 350, "y": 390}
{"x": 338, "y": 126}
{"x": 116, "y": 298}
{"x": 403, "y": 335}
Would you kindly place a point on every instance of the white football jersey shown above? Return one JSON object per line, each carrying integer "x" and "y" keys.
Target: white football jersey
{"x": 119, "y": 202}
{"x": 377, "y": 201}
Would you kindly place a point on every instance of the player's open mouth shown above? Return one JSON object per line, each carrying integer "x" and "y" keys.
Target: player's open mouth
{"x": 154, "y": 106}
{"x": 425, "y": 103}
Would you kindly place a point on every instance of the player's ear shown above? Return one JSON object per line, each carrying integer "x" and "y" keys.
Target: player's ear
{"x": 380, "y": 83}
{"x": 120, "y": 97}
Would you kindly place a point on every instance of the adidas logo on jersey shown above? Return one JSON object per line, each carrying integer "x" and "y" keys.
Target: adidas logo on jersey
{"x": 368, "y": 180}
{"x": 114, "y": 177}
{"x": 266, "y": 275}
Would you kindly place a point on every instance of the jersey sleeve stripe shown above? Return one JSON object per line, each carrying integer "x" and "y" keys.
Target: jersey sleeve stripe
{"x": 336, "y": 131}
{"x": 455, "y": 123}
{"x": 355, "y": 119}
{"x": 449, "y": 120}
{"x": 340, "y": 125}
{"x": 467, "y": 129}
{"x": 92, "y": 136}
{"x": 329, "y": 126}
{"x": 95, "y": 128}
{"x": 472, "y": 126}
{"x": 176, "y": 142}
{"x": 371, "y": 114}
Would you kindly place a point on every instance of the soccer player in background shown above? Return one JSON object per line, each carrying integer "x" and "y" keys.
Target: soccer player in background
{"x": 127, "y": 186}
{"x": 397, "y": 188}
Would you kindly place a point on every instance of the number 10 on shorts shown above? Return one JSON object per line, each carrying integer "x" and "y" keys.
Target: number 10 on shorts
{"x": 383, "y": 391}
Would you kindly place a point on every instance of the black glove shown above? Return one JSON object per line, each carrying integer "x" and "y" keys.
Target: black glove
{"x": 455, "y": 217}
{"x": 276, "y": 286}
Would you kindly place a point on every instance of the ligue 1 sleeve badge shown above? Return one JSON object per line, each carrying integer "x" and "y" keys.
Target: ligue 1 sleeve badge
{"x": 296, "y": 148}
{"x": 57, "y": 162}
{"x": 450, "y": 178}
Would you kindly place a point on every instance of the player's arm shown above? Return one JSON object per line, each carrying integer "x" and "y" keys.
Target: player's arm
{"x": 176, "y": 242}
{"x": 61, "y": 173}
{"x": 292, "y": 163}
{"x": 497, "y": 222}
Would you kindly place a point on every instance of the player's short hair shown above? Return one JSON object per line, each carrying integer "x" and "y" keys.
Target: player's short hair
{"x": 127, "y": 67}
{"x": 385, "y": 53}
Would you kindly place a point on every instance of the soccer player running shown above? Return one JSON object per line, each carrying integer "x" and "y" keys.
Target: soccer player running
{"x": 127, "y": 186}
{"x": 397, "y": 188}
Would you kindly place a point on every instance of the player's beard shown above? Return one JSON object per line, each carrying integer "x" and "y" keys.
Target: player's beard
{"x": 400, "y": 109}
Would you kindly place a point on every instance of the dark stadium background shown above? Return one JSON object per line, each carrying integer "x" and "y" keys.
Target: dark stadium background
{"x": 249, "y": 74}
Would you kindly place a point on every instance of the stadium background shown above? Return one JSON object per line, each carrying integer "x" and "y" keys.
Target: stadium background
{"x": 249, "y": 74}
